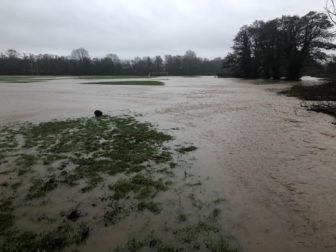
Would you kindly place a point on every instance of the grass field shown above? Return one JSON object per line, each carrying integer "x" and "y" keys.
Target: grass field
{"x": 134, "y": 83}
{"x": 22, "y": 79}
{"x": 102, "y": 77}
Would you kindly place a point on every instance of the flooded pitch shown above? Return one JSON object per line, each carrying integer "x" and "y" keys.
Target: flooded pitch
{"x": 262, "y": 177}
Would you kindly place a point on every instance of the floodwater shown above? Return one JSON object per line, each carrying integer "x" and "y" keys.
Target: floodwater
{"x": 273, "y": 162}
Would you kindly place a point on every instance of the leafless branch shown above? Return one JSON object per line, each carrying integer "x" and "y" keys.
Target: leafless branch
{"x": 331, "y": 10}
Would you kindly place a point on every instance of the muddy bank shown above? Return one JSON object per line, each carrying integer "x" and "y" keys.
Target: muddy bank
{"x": 268, "y": 161}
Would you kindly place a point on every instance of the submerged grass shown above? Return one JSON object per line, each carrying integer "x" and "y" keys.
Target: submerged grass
{"x": 108, "y": 145}
{"x": 142, "y": 187}
{"x": 70, "y": 152}
{"x": 133, "y": 83}
{"x": 130, "y": 156}
{"x": 25, "y": 163}
{"x": 198, "y": 237}
{"x": 6, "y": 215}
{"x": 55, "y": 240}
{"x": 323, "y": 92}
{"x": 324, "y": 97}
{"x": 40, "y": 187}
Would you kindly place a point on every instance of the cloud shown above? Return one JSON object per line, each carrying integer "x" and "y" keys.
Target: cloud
{"x": 135, "y": 27}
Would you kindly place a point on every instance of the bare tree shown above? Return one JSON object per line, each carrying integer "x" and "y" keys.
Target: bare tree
{"x": 80, "y": 54}
{"x": 11, "y": 53}
{"x": 113, "y": 57}
{"x": 331, "y": 10}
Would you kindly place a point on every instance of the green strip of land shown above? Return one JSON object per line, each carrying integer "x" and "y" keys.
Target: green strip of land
{"x": 21, "y": 79}
{"x": 94, "y": 77}
{"x": 133, "y": 83}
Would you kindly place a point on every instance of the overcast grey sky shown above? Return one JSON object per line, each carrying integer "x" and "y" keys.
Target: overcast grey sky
{"x": 132, "y": 28}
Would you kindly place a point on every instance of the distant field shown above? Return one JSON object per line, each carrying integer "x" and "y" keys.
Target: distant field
{"x": 22, "y": 79}
{"x": 38, "y": 78}
{"x": 93, "y": 77}
{"x": 136, "y": 83}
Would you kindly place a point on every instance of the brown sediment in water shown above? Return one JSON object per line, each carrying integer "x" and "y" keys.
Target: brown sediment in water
{"x": 270, "y": 159}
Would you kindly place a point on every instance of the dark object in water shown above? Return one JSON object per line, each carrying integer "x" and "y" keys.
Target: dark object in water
{"x": 74, "y": 215}
{"x": 186, "y": 149}
{"x": 190, "y": 148}
{"x": 98, "y": 113}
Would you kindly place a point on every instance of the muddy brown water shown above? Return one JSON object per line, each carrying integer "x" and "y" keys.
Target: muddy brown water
{"x": 273, "y": 162}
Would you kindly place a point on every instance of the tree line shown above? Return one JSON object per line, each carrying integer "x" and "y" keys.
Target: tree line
{"x": 279, "y": 48}
{"x": 80, "y": 63}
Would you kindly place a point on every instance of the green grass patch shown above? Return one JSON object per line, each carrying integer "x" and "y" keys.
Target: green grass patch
{"x": 128, "y": 83}
{"x": 108, "y": 145}
{"x": 21, "y": 79}
{"x": 99, "y": 77}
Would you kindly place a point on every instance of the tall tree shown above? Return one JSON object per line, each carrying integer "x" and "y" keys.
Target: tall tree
{"x": 80, "y": 54}
{"x": 281, "y": 47}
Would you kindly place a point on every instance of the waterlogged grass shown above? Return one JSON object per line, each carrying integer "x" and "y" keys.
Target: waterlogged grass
{"x": 323, "y": 96}
{"x": 198, "y": 237}
{"x": 41, "y": 187}
{"x": 323, "y": 92}
{"x": 184, "y": 150}
{"x": 82, "y": 153}
{"x": 22, "y": 79}
{"x": 128, "y": 83}
{"x": 56, "y": 240}
{"x": 6, "y": 215}
{"x": 142, "y": 187}
{"x": 109, "y": 145}
{"x": 114, "y": 166}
